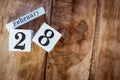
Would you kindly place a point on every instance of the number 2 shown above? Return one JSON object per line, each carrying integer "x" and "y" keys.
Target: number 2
{"x": 46, "y": 36}
{"x": 18, "y": 46}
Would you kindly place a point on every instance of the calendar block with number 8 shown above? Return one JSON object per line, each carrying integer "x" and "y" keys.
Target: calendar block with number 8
{"x": 20, "y": 40}
{"x": 46, "y": 37}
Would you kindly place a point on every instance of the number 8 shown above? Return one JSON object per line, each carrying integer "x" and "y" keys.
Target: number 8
{"x": 47, "y": 37}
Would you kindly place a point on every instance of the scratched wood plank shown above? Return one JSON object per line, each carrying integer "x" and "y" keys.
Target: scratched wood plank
{"x": 71, "y": 57}
{"x": 106, "y": 52}
{"x": 16, "y": 65}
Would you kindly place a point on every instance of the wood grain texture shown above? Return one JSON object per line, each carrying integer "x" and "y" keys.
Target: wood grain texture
{"x": 71, "y": 57}
{"x": 16, "y": 65}
{"x": 88, "y": 49}
{"x": 106, "y": 52}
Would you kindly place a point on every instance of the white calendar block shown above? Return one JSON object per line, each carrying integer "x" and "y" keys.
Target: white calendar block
{"x": 20, "y": 40}
{"x": 46, "y": 37}
{"x": 25, "y": 19}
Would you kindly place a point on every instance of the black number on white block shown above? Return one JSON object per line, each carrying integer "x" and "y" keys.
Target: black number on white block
{"x": 18, "y": 46}
{"x": 47, "y": 37}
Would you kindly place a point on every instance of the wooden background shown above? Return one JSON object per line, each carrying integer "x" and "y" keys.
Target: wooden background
{"x": 88, "y": 50}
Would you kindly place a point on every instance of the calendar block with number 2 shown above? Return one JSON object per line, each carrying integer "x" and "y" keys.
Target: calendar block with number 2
{"x": 20, "y": 40}
{"x": 46, "y": 37}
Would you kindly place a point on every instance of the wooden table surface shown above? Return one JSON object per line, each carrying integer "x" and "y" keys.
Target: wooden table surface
{"x": 89, "y": 48}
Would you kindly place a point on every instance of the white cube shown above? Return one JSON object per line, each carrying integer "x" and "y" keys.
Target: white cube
{"x": 46, "y": 37}
{"x": 20, "y": 40}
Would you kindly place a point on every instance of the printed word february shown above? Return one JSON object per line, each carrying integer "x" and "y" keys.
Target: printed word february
{"x": 24, "y": 19}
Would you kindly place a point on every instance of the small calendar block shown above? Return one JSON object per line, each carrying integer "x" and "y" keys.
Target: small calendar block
{"x": 20, "y": 40}
{"x": 25, "y": 19}
{"x": 46, "y": 37}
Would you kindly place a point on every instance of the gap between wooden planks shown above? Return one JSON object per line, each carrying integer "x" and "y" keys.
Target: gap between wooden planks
{"x": 16, "y": 65}
{"x": 71, "y": 58}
